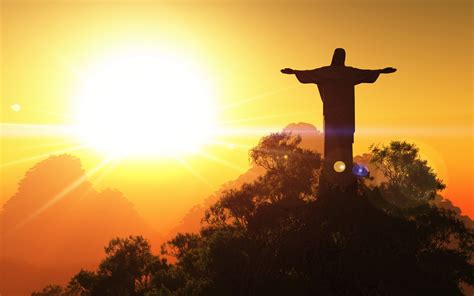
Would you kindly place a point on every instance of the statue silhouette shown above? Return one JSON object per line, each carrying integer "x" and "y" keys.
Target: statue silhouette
{"x": 336, "y": 87}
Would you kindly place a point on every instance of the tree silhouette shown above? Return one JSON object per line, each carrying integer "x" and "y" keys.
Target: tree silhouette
{"x": 410, "y": 181}
{"x": 290, "y": 180}
{"x": 128, "y": 269}
{"x": 280, "y": 236}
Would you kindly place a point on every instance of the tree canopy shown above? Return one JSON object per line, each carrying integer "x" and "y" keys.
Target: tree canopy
{"x": 280, "y": 236}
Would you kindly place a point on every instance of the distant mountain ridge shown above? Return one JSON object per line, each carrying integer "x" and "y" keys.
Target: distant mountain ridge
{"x": 57, "y": 223}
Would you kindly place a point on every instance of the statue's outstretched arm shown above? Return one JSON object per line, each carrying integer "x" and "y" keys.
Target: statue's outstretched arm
{"x": 304, "y": 76}
{"x": 369, "y": 76}
{"x": 388, "y": 70}
{"x": 288, "y": 71}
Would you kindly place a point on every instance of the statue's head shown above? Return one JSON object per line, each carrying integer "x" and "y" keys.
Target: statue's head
{"x": 339, "y": 57}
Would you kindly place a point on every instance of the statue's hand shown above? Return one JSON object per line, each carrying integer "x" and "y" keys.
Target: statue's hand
{"x": 287, "y": 71}
{"x": 388, "y": 70}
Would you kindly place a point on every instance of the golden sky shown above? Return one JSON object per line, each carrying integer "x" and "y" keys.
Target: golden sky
{"x": 240, "y": 46}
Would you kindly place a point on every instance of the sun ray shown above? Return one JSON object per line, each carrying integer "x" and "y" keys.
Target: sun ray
{"x": 76, "y": 183}
{"x": 230, "y": 145}
{"x": 57, "y": 115}
{"x": 8, "y": 130}
{"x": 435, "y": 131}
{"x": 263, "y": 117}
{"x": 96, "y": 179}
{"x": 221, "y": 161}
{"x": 255, "y": 97}
{"x": 196, "y": 174}
{"x": 449, "y": 131}
{"x": 249, "y": 131}
{"x": 110, "y": 166}
{"x": 53, "y": 144}
{"x": 43, "y": 155}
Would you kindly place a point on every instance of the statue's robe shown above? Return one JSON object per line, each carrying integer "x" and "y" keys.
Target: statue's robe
{"x": 336, "y": 87}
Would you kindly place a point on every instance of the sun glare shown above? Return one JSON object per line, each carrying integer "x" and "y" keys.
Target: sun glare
{"x": 145, "y": 102}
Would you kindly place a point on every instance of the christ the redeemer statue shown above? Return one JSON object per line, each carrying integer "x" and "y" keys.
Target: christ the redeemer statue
{"x": 336, "y": 87}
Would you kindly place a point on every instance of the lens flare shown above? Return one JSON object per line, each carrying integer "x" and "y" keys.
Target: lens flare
{"x": 339, "y": 166}
{"x": 15, "y": 107}
{"x": 360, "y": 170}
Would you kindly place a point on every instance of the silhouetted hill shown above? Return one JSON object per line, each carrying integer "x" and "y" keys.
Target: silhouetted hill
{"x": 57, "y": 223}
{"x": 312, "y": 138}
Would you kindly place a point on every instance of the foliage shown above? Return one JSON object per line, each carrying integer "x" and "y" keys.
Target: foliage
{"x": 279, "y": 236}
{"x": 289, "y": 182}
{"x": 410, "y": 181}
{"x": 50, "y": 290}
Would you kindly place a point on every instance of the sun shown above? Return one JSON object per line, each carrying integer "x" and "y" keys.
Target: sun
{"x": 144, "y": 103}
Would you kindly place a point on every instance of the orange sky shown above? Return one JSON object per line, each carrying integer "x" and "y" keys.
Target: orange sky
{"x": 241, "y": 46}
